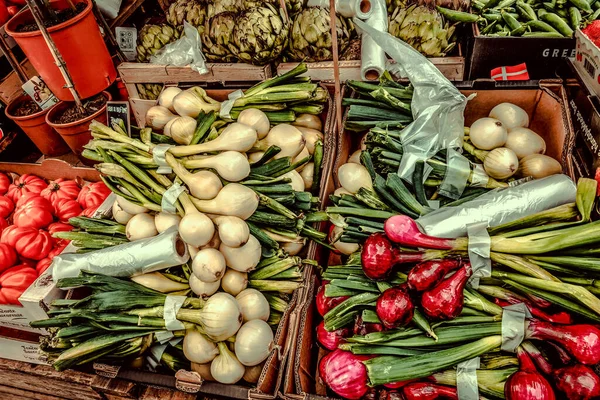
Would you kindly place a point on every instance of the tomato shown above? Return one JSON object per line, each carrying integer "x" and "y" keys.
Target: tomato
{"x": 9, "y": 235}
{"x": 4, "y": 183}
{"x": 93, "y": 195}
{"x": 59, "y": 227}
{"x": 33, "y": 198}
{"x": 4, "y": 14}
{"x": 25, "y": 184}
{"x": 12, "y": 10}
{"x": 33, "y": 215}
{"x": 3, "y": 225}
{"x": 61, "y": 189}
{"x": 58, "y": 248}
{"x": 33, "y": 243}
{"x": 66, "y": 208}
{"x": 89, "y": 212}
{"x": 26, "y": 261}
{"x": 43, "y": 265}
{"x": 7, "y": 206}
{"x": 8, "y": 257}
{"x": 14, "y": 281}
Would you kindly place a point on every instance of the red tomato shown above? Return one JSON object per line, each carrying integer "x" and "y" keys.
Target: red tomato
{"x": 25, "y": 184}
{"x": 8, "y": 257}
{"x": 14, "y": 281}
{"x": 59, "y": 227}
{"x": 33, "y": 243}
{"x": 61, "y": 189}
{"x": 33, "y": 215}
{"x": 4, "y": 14}
{"x": 93, "y": 195}
{"x": 58, "y": 248}
{"x": 3, "y": 225}
{"x": 7, "y": 206}
{"x": 33, "y": 198}
{"x": 66, "y": 208}
{"x": 43, "y": 265}
{"x": 9, "y": 235}
{"x": 26, "y": 261}
{"x": 13, "y": 10}
{"x": 4, "y": 183}
{"x": 89, "y": 212}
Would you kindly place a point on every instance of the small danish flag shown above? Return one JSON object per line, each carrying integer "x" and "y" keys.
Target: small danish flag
{"x": 514, "y": 73}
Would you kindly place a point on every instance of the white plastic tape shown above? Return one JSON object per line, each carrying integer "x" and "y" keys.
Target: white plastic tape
{"x": 479, "y": 252}
{"x": 227, "y": 105}
{"x": 513, "y": 326}
{"x": 172, "y": 306}
{"x": 479, "y": 177}
{"x": 158, "y": 154}
{"x": 348, "y": 8}
{"x": 466, "y": 379}
{"x": 170, "y": 197}
{"x": 458, "y": 169}
{"x": 156, "y": 352}
{"x": 163, "y": 336}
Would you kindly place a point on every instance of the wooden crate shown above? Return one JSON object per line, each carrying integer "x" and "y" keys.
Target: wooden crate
{"x": 10, "y": 87}
{"x": 453, "y": 68}
{"x": 225, "y": 74}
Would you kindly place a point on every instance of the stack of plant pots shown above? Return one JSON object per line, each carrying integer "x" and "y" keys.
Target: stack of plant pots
{"x": 79, "y": 41}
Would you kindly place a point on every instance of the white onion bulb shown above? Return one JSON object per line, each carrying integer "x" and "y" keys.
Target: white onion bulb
{"x": 501, "y": 163}
{"x": 511, "y": 115}
{"x": 488, "y": 133}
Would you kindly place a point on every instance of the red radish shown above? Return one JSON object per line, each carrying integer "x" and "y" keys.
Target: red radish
{"x": 427, "y": 274}
{"x": 582, "y": 341}
{"x": 378, "y": 256}
{"x": 561, "y": 317}
{"x": 372, "y": 394}
{"x": 577, "y": 382}
{"x": 428, "y": 391}
{"x": 324, "y": 303}
{"x": 527, "y": 383}
{"x": 331, "y": 340}
{"x": 361, "y": 328}
{"x": 395, "y": 308}
{"x": 322, "y": 367}
{"x": 404, "y": 230}
{"x": 345, "y": 374}
{"x": 445, "y": 301}
{"x": 398, "y": 385}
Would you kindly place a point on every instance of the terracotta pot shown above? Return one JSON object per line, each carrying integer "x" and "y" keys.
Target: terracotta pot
{"x": 35, "y": 127}
{"x": 76, "y": 134}
{"x": 81, "y": 45}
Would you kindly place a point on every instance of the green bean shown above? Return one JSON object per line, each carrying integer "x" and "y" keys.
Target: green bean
{"x": 558, "y": 23}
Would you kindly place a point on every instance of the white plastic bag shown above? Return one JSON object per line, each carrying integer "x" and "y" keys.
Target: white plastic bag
{"x": 186, "y": 50}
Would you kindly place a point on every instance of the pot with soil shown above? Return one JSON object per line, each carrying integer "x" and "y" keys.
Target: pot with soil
{"x": 74, "y": 126}
{"x": 32, "y": 120}
{"x": 78, "y": 39}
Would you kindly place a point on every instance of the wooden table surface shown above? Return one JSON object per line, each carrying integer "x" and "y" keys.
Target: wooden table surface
{"x": 23, "y": 381}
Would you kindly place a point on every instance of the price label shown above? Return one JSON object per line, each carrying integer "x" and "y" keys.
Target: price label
{"x": 118, "y": 113}
{"x": 39, "y": 92}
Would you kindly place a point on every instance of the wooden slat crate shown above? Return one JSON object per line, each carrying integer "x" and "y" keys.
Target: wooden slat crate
{"x": 225, "y": 74}
{"x": 453, "y": 68}
{"x": 10, "y": 87}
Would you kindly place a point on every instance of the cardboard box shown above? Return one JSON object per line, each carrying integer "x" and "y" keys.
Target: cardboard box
{"x": 36, "y": 300}
{"x": 542, "y": 55}
{"x": 546, "y": 104}
{"x": 21, "y": 346}
{"x": 587, "y": 62}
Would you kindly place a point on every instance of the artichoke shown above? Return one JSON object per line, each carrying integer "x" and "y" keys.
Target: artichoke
{"x": 260, "y": 35}
{"x": 216, "y": 7}
{"x": 152, "y": 38}
{"x": 217, "y": 37}
{"x": 149, "y": 91}
{"x": 424, "y": 29}
{"x": 294, "y": 6}
{"x": 311, "y": 35}
{"x": 192, "y": 11}
{"x": 393, "y": 5}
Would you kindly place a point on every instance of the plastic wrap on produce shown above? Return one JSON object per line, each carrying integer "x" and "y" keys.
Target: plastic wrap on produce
{"x": 500, "y": 206}
{"x": 129, "y": 259}
{"x": 186, "y": 50}
{"x": 373, "y": 58}
{"x": 348, "y": 8}
{"x": 437, "y": 106}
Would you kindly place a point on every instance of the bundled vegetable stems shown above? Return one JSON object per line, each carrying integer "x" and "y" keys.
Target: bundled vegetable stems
{"x": 389, "y": 321}
{"x": 93, "y": 233}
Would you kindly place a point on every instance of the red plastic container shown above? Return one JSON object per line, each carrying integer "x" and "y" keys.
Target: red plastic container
{"x": 77, "y": 134}
{"x": 35, "y": 127}
{"x": 81, "y": 45}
